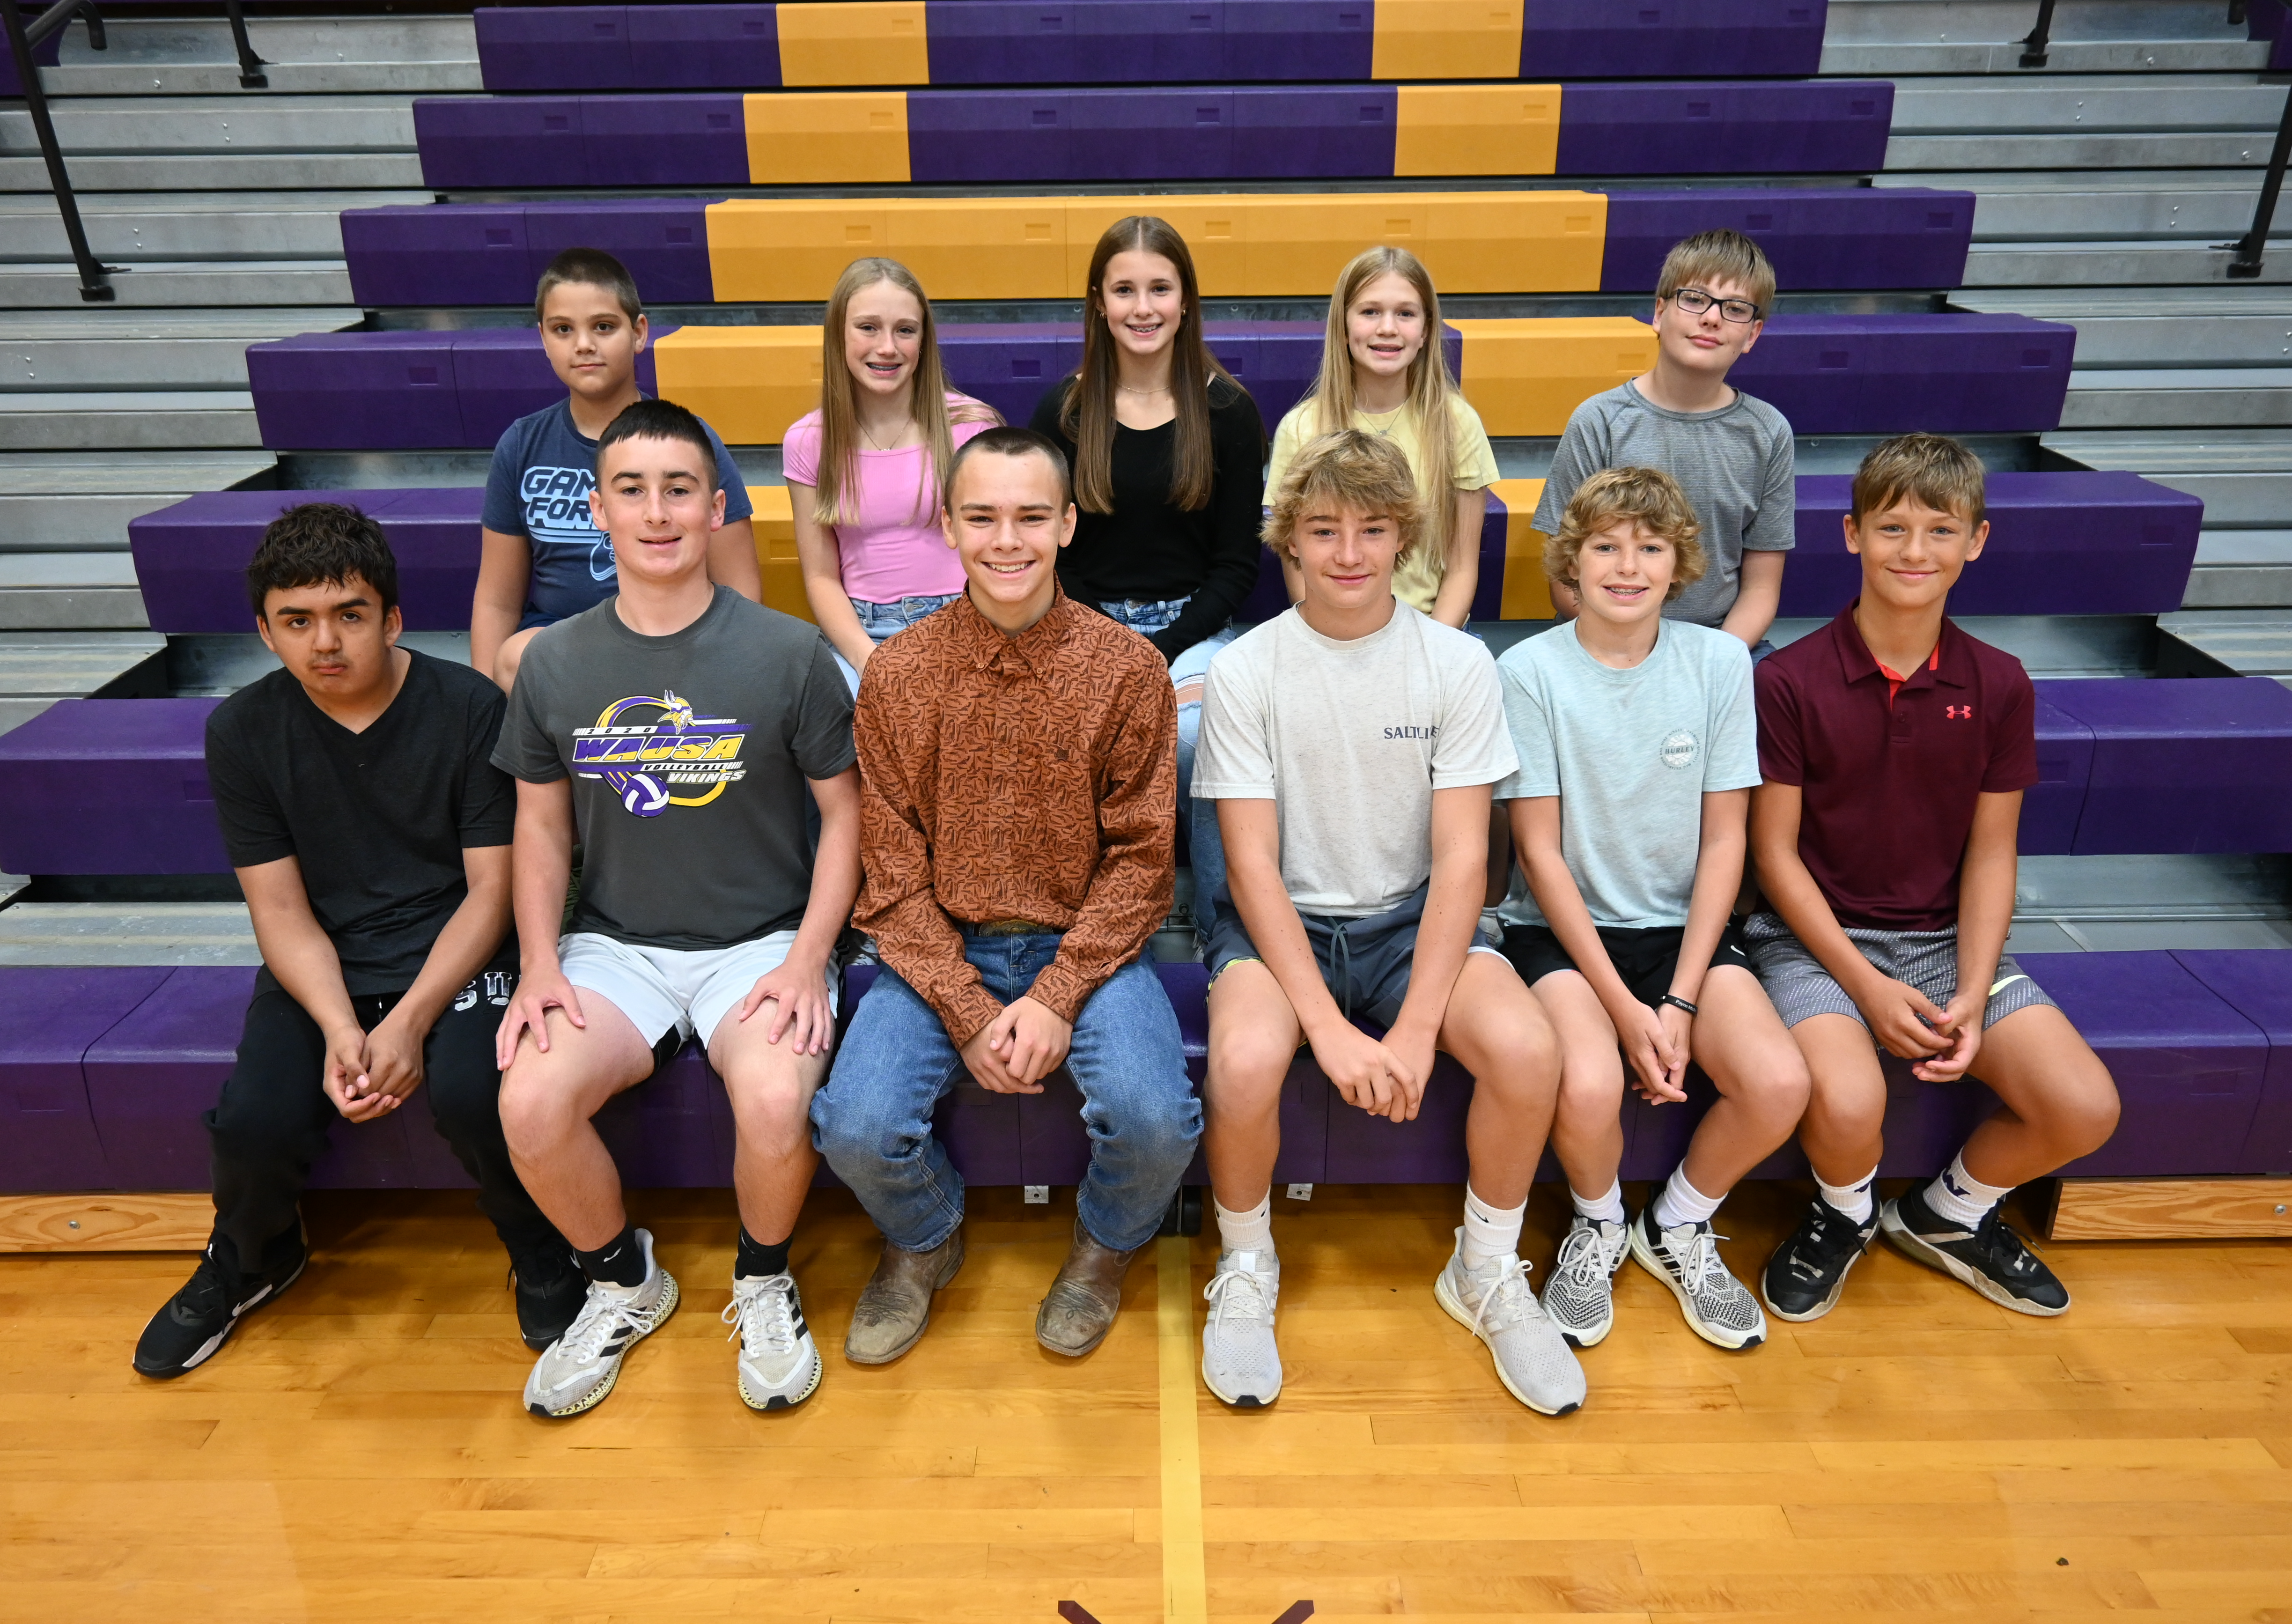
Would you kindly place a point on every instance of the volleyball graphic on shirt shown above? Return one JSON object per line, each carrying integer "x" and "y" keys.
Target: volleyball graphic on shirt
{"x": 655, "y": 752}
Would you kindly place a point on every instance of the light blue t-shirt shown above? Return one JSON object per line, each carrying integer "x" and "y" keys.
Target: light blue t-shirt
{"x": 1631, "y": 755}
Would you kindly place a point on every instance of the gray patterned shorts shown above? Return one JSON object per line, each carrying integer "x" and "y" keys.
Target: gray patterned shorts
{"x": 1927, "y": 960}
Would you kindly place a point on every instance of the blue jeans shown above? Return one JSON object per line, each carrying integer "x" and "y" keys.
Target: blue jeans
{"x": 1206, "y": 848}
{"x": 872, "y": 1120}
{"x": 881, "y": 621}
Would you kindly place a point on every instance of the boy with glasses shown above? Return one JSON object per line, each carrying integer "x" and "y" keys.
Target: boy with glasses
{"x": 1730, "y": 453}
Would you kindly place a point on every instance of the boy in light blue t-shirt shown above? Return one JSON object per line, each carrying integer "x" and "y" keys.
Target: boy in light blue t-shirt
{"x": 1637, "y": 738}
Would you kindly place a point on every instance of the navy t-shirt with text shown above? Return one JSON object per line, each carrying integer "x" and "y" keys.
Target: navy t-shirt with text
{"x": 543, "y": 470}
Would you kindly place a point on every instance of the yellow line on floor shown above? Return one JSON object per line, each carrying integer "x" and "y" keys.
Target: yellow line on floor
{"x": 1185, "y": 1594}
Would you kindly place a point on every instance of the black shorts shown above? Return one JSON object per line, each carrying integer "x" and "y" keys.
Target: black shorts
{"x": 1645, "y": 959}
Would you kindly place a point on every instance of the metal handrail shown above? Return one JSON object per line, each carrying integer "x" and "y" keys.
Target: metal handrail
{"x": 94, "y": 276}
{"x": 2252, "y": 246}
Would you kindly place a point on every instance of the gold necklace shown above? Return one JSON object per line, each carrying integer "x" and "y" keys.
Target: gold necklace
{"x": 1126, "y": 390}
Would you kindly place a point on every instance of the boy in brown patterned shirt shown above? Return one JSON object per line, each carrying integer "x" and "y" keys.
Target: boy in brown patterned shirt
{"x": 1018, "y": 758}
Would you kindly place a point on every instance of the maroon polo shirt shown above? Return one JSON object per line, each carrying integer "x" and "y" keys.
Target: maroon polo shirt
{"x": 1889, "y": 782}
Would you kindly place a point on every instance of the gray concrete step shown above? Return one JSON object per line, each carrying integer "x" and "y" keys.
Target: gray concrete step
{"x": 2242, "y": 569}
{"x": 2111, "y": 264}
{"x": 2172, "y": 150}
{"x": 81, "y": 500}
{"x": 70, "y": 592}
{"x": 169, "y": 420}
{"x": 1971, "y": 36}
{"x": 1842, "y": 60}
{"x": 221, "y": 172}
{"x": 2193, "y": 397}
{"x": 2243, "y": 476}
{"x": 2118, "y": 904}
{"x": 94, "y": 349}
{"x": 2141, "y": 204}
{"x": 2248, "y": 642}
{"x": 245, "y": 121}
{"x": 2235, "y": 325}
{"x": 193, "y": 55}
{"x": 2147, "y": 104}
{"x": 166, "y": 285}
{"x": 39, "y": 667}
{"x": 131, "y": 228}
{"x": 128, "y": 934}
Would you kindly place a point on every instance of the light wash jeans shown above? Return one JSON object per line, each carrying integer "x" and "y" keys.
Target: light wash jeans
{"x": 872, "y": 1120}
{"x": 1206, "y": 850}
{"x": 881, "y": 621}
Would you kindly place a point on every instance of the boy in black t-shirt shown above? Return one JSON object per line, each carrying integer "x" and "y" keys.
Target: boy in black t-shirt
{"x": 372, "y": 837}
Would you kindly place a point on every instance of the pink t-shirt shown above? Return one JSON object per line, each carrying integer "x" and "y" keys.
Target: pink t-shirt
{"x": 896, "y": 549}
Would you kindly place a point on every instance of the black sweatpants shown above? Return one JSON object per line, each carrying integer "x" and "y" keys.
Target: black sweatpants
{"x": 272, "y": 1122}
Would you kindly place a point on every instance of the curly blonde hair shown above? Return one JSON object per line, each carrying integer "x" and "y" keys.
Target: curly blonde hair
{"x": 1647, "y": 497}
{"x": 1348, "y": 471}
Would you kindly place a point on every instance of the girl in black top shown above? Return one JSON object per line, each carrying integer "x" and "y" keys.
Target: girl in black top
{"x": 1168, "y": 455}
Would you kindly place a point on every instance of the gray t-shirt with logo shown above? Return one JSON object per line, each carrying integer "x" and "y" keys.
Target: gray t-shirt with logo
{"x": 688, "y": 754}
{"x": 1631, "y": 755}
{"x": 1350, "y": 739}
{"x": 1735, "y": 464}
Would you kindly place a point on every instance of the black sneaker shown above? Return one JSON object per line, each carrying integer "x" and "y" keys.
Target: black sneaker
{"x": 549, "y": 1292}
{"x": 1993, "y": 1258}
{"x": 186, "y": 1333}
{"x": 1804, "y": 1277}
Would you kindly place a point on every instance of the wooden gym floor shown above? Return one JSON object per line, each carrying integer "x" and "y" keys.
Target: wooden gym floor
{"x": 358, "y": 1451}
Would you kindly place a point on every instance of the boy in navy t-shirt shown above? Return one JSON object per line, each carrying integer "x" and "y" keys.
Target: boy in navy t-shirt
{"x": 544, "y": 560}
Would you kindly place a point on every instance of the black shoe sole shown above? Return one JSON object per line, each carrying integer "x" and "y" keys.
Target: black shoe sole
{"x": 169, "y": 1373}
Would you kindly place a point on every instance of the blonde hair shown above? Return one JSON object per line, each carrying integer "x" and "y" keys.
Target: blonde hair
{"x": 1718, "y": 256}
{"x": 1197, "y": 380}
{"x": 1432, "y": 387}
{"x": 1646, "y": 498}
{"x": 839, "y": 399}
{"x": 1931, "y": 468}
{"x": 1348, "y": 471}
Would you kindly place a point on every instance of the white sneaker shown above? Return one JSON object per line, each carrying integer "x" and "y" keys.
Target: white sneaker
{"x": 1495, "y": 1303}
{"x": 1240, "y": 1362}
{"x": 779, "y": 1368}
{"x": 1579, "y": 1296}
{"x": 1719, "y": 1308}
{"x": 575, "y": 1372}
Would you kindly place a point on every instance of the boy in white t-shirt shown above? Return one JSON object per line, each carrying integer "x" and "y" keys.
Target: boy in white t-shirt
{"x": 1350, "y": 744}
{"x": 1637, "y": 738}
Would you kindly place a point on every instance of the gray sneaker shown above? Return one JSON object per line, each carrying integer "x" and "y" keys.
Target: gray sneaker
{"x": 1240, "y": 1362}
{"x": 577, "y": 1370}
{"x": 779, "y": 1365}
{"x": 1579, "y": 1296}
{"x": 1719, "y": 1308}
{"x": 1495, "y": 1303}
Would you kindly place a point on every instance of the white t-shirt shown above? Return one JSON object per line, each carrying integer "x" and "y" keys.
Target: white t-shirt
{"x": 1350, "y": 739}
{"x": 1631, "y": 755}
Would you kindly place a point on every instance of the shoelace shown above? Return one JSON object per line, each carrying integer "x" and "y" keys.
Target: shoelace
{"x": 208, "y": 1289}
{"x": 1835, "y": 1235}
{"x": 1221, "y": 1292}
{"x": 2007, "y": 1246}
{"x": 1701, "y": 1262}
{"x": 764, "y": 1305}
{"x": 1584, "y": 1259}
{"x": 600, "y": 1319}
{"x": 1505, "y": 1301}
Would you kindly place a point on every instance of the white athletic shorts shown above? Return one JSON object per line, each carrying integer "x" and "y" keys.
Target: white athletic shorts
{"x": 660, "y": 988}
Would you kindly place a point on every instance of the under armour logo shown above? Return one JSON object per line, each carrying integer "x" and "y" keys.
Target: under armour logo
{"x": 1959, "y": 712}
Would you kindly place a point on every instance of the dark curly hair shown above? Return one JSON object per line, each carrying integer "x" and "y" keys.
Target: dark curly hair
{"x": 322, "y": 543}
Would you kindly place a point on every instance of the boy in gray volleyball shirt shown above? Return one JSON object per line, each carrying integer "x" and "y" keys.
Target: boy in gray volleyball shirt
{"x": 1730, "y": 453}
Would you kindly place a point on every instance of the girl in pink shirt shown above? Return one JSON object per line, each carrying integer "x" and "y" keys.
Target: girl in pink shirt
{"x": 863, "y": 470}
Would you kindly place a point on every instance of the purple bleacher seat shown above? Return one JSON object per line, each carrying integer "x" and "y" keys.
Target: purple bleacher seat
{"x": 1298, "y": 40}
{"x": 1157, "y": 135}
{"x": 1009, "y": 364}
{"x": 1002, "y": 41}
{"x": 110, "y": 786}
{"x": 664, "y": 241}
{"x": 481, "y": 142}
{"x": 2050, "y": 809}
{"x": 1946, "y": 373}
{"x": 48, "y": 1017}
{"x": 1337, "y": 131}
{"x": 190, "y": 559}
{"x": 2183, "y": 763}
{"x": 1821, "y": 237}
{"x": 659, "y": 141}
{"x": 2257, "y": 985}
{"x": 2060, "y": 543}
{"x": 1781, "y": 128}
{"x": 705, "y": 47}
{"x": 963, "y": 136}
{"x": 405, "y": 254}
{"x": 357, "y": 391}
{"x": 44, "y": 55}
{"x": 1596, "y": 39}
{"x": 555, "y": 47}
{"x": 501, "y": 374}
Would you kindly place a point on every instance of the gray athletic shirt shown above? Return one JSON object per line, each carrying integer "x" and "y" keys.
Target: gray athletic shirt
{"x": 1735, "y": 465}
{"x": 688, "y": 754}
{"x": 1631, "y": 755}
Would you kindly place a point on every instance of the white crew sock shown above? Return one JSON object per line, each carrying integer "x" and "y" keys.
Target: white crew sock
{"x": 1491, "y": 1234}
{"x": 1607, "y": 1209}
{"x": 1855, "y": 1199}
{"x": 1961, "y": 1197}
{"x": 1247, "y": 1232}
{"x": 1682, "y": 1204}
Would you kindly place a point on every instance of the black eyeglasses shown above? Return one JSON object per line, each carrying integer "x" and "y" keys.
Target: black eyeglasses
{"x": 1694, "y": 301}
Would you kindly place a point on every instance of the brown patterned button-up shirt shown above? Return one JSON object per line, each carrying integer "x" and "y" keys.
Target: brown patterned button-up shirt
{"x": 1003, "y": 777}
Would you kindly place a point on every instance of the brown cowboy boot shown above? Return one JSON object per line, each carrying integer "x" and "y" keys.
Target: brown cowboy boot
{"x": 1083, "y": 1300}
{"x": 894, "y": 1307}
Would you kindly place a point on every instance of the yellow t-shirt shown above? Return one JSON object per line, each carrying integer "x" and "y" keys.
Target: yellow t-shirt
{"x": 1417, "y": 581}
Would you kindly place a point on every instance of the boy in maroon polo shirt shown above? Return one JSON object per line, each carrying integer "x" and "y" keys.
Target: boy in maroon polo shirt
{"x": 1893, "y": 750}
